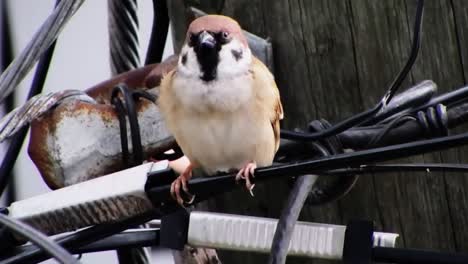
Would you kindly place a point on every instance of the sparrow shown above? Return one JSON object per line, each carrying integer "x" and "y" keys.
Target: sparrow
{"x": 221, "y": 104}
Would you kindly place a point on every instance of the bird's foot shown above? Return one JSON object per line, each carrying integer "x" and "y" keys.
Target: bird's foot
{"x": 181, "y": 181}
{"x": 246, "y": 173}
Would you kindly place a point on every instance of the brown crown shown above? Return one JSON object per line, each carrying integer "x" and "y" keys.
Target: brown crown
{"x": 217, "y": 23}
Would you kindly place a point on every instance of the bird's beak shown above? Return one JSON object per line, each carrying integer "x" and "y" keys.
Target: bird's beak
{"x": 206, "y": 40}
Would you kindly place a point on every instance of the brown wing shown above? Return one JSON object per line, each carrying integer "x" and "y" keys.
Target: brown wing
{"x": 268, "y": 97}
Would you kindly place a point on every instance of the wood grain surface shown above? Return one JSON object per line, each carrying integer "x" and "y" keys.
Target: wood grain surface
{"x": 335, "y": 58}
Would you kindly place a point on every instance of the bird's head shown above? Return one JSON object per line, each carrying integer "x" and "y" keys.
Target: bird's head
{"x": 214, "y": 48}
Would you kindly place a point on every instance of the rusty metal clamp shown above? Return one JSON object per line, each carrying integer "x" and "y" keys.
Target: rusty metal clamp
{"x": 80, "y": 140}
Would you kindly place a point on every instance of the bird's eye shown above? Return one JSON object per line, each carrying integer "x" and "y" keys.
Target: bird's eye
{"x": 224, "y": 37}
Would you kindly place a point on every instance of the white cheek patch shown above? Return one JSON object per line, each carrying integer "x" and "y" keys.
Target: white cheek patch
{"x": 234, "y": 60}
{"x": 188, "y": 64}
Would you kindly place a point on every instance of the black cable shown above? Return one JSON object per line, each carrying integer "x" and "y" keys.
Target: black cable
{"x": 416, "y": 256}
{"x": 144, "y": 237}
{"x": 83, "y": 237}
{"x": 405, "y": 102}
{"x": 413, "y": 54}
{"x": 432, "y": 122}
{"x": 422, "y": 167}
{"x": 451, "y": 99}
{"x": 6, "y": 59}
{"x": 330, "y": 189}
{"x": 158, "y": 32}
{"x": 6, "y": 48}
{"x": 336, "y": 129}
{"x": 37, "y": 238}
{"x": 134, "y": 126}
{"x": 137, "y": 255}
{"x": 207, "y": 188}
{"x": 119, "y": 108}
{"x": 394, "y": 123}
{"x": 129, "y": 110}
{"x": 326, "y": 189}
{"x": 362, "y": 117}
{"x": 17, "y": 141}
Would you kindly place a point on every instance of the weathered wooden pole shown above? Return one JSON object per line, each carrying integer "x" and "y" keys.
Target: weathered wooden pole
{"x": 333, "y": 59}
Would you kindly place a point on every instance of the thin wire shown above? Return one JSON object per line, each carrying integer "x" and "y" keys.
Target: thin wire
{"x": 83, "y": 237}
{"x": 129, "y": 238}
{"x": 426, "y": 167}
{"x": 394, "y": 123}
{"x": 39, "y": 239}
{"x": 36, "y": 88}
{"x": 40, "y": 42}
{"x": 362, "y": 117}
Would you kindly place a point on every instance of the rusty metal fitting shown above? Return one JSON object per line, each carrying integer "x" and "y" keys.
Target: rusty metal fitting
{"x": 80, "y": 140}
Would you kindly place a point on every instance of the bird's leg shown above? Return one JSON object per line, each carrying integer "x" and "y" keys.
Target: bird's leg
{"x": 245, "y": 173}
{"x": 181, "y": 181}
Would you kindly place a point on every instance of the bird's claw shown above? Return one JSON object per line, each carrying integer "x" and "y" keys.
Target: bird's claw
{"x": 181, "y": 181}
{"x": 246, "y": 173}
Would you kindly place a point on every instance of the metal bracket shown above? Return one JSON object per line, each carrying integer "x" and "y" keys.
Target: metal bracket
{"x": 174, "y": 230}
{"x": 358, "y": 242}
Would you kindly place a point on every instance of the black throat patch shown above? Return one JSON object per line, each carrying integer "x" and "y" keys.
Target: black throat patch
{"x": 208, "y": 58}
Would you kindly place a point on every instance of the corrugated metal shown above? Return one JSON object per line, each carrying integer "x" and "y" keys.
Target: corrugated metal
{"x": 97, "y": 201}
